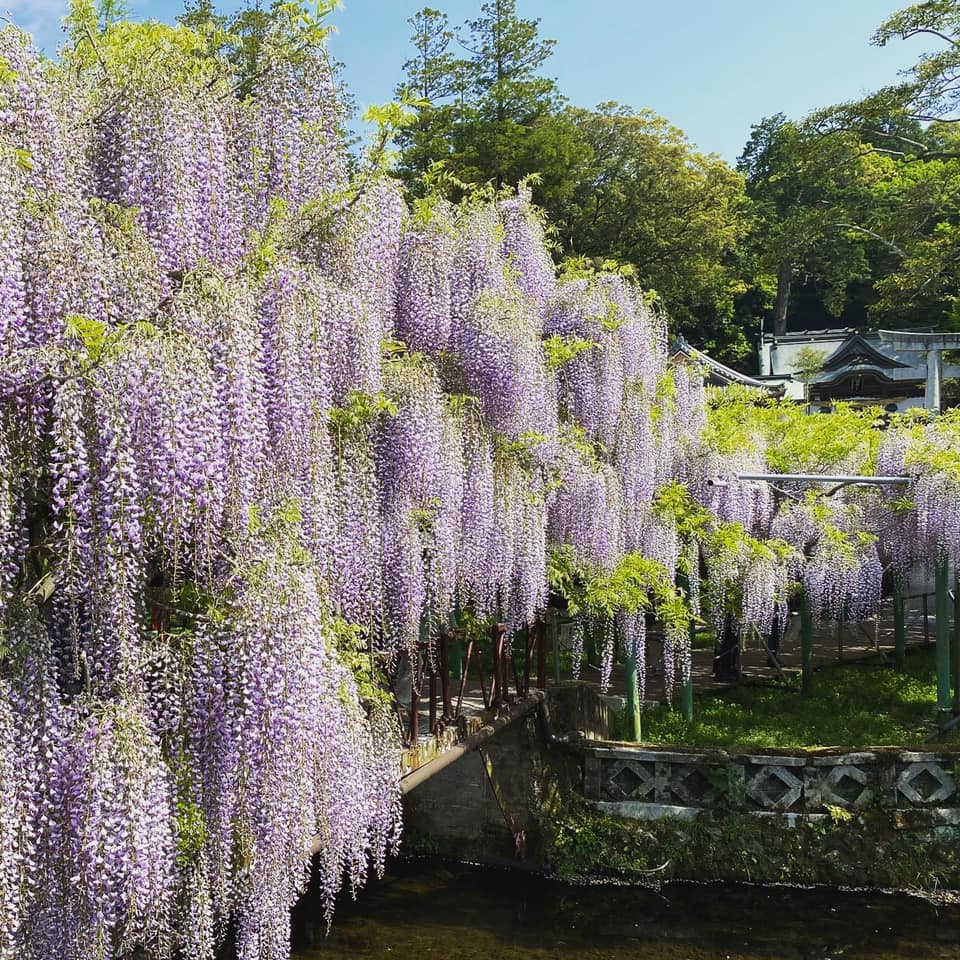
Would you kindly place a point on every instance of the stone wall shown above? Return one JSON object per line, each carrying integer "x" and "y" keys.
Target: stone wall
{"x": 490, "y": 805}
{"x": 546, "y": 793}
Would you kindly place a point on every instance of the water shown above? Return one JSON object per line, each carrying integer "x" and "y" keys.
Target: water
{"x": 423, "y": 910}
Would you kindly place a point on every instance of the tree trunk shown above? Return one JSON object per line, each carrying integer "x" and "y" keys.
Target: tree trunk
{"x": 784, "y": 282}
{"x": 726, "y": 651}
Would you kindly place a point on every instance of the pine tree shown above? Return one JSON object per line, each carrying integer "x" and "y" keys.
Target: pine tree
{"x": 491, "y": 115}
{"x": 506, "y": 53}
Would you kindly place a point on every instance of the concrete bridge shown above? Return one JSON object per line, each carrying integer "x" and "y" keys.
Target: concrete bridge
{"x": 484, "y": 800}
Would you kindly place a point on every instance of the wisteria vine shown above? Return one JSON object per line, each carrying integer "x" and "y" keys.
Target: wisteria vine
{"x": 251, "y": 411}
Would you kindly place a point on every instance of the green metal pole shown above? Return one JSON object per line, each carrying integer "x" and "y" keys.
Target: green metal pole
{"x": 686, "y": 688}
{"x": 956, "y": 642}
{"x": 899, "y": 623}
{"x": 633, "y": 701}
{"x": 944, "y": 700}
{"x": 686, "y": 700}
{"x": 456, "y": 660}
{"x": 806, "y": 645}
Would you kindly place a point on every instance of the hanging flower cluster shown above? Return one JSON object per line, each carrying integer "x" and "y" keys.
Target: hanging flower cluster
{"x": 922, "y": 520}
{"x": 178, "y": 733}
{"x": 748, "y": 579}
{"x": 249, "y": 413}
{"x": 842, "y": 576}
{"x": 246, "y": 412}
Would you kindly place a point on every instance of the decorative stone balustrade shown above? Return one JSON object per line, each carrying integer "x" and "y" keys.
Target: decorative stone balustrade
{"x": 647, "y": 783}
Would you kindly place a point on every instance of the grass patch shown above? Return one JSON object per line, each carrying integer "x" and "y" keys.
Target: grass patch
{"x": 704, "y": 639}
{"x": 855, "y": 705}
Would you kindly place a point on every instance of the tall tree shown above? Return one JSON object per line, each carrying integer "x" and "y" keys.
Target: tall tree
{"x": 200, "y": 15}
{"x": 508, "y": 96}
{"x": 930, "y": 90}
{"x": 430, "y": 71}
{"x": 434, "y": 77}
{"x": 507, "y": 53}
{"x": 111, "y": 12}
{"x": 202, "y": 18}
{"x": 808, "y": 188}
{"x": 645, "y": 196}
{"x": 912, "y": 125}
{"x": 489, "y": 114}
{"x": 259, "y": 35}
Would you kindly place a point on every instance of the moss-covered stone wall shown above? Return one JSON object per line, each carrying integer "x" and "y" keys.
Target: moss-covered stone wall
{"x": 543, "y": 794}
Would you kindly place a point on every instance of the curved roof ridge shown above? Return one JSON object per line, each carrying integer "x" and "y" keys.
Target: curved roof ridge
{"x": 859, "y": 346}
{"x": 681, "y": 346}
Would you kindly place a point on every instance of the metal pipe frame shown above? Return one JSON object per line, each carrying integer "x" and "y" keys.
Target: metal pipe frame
{"x": 823, "y": 478}
{"x": 838, "y": 481}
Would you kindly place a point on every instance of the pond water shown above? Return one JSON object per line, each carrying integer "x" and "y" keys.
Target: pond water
{"x": 423, "y": 910}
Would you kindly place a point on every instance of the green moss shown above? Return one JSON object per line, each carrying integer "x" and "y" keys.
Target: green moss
{"x": 855, "y": 706}
{"x": 866, "y": 850}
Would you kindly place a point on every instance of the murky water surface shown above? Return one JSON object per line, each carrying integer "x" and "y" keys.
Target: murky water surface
{"x": 423, "y": 910}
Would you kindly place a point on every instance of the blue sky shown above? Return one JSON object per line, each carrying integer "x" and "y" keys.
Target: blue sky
{"x": 711, "y": 67}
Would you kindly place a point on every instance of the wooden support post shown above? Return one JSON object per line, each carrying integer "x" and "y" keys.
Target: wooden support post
{"x": 727, "y": 662}
{"x": 463, "y": 679}
{"x": 483, "y": 690}
{"x": 529, "y": 638}
{"x": 773, "y": 642}
{"x": 944, "y": 700}
{"x": 840, "y": 636}
{"x": 555, "y": 644}
{"x": 416, "y": 678}
{"x": 956, "y": 642}
{"x": 445, "y": 677}
{"x": 806, "y": 645}
{"x": 433, "y": 700}
{"x": 493, "y": 700}
{"x": 634, "y": 728}
{"x": 506, "y": 664}
{"x": 415, "y": 701}
{"x": 590, "y": 645}
{"x": 899, "y": 623}
{"x": 455, "y": 633}
{"x": 499, "y": 674}
{"x": 541, "y": 634}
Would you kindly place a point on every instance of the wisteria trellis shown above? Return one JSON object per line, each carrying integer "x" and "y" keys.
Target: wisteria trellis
{"x": 240, "y": 406}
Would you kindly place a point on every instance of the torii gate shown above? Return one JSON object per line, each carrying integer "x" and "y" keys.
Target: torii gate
{"x": 932, "y": 344}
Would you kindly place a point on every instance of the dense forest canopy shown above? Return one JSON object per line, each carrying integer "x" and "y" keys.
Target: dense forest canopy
{"x": 845, "y": 217}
